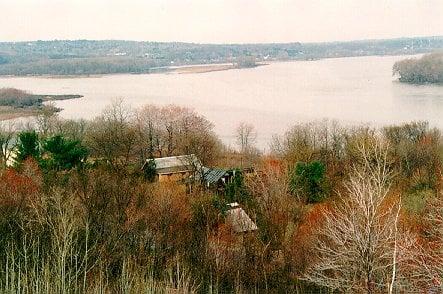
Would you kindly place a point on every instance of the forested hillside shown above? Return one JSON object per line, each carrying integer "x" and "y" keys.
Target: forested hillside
{"x": 101, "y": 57}
{"x": 336, "y": 209}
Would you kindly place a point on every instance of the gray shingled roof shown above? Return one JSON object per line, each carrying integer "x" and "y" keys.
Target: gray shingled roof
{"x": 176, "y": 164}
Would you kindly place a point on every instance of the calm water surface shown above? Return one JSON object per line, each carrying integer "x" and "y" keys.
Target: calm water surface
{"x": 351, "y": 90}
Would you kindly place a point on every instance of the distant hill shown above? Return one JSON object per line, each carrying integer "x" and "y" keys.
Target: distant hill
{"x": 110, "y": 56}
{"x": 427, "y": 69}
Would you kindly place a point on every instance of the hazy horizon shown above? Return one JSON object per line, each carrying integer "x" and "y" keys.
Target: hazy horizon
{"x": 219, "y": 22}
{"x": 238, "y": 43}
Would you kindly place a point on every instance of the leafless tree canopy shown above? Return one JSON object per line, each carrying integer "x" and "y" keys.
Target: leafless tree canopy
{"x": 359, "y": 244}
{"x": 246, "y": 136}
{"x": 174, "y": 130}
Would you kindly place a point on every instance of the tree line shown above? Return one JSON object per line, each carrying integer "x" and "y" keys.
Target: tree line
{"x": 427, "y": 69}
{"x": 338, "y": 209}
{"x": 73, "y": 57}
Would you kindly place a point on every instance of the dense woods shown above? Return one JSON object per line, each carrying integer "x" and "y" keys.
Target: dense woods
{"x": 82, "y": 57}
{"x": 427, "y": 69}
{"x": 337, "y": 208}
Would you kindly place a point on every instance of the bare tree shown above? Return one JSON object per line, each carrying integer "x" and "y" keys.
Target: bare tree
{"x": 174, "y": 130}
{"x": 47, "y": 120}
{"x": 426, "y": 268}
{"x": 148, "y": 129}
{"x": 7, "y": 133}
{"x": 112, "y": 137}
{"x": 358, "y": 245}
{"x": 246, "y": 137}
{"x": 72, "y": 129}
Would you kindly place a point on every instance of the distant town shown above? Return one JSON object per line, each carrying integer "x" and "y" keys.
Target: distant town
{"x": 86, "y": 57}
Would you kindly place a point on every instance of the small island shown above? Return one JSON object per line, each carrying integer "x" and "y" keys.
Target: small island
{"x": 425, "y": 70}
{"x": 15, "y": 103}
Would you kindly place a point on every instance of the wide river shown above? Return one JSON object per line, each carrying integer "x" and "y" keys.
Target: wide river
{"x": 273, "y": 97}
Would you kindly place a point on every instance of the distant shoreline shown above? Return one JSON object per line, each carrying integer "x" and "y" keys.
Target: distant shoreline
{"x": 184, "y": 69}
{"x": 92, "y": 58}
{"x": 203, "y": 68}
{"x": 190, "y": 69}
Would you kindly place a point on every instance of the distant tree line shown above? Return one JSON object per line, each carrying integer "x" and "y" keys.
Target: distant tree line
{"x": 113, "y": 56}
{"x": 81, "y": 66}
{"x": 427, "y": 69}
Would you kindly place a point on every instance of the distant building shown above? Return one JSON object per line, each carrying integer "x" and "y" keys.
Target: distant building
{"x": 176, "y": 168}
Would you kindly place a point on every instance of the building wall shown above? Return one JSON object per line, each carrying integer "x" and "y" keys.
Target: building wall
{"x": 174, "y": 176}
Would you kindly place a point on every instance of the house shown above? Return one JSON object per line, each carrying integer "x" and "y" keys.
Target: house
{"x": 176, "y": 168}
{"x": 189, "y": 170}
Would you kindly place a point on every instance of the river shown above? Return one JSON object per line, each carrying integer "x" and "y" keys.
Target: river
{"x": 352, "y": 90}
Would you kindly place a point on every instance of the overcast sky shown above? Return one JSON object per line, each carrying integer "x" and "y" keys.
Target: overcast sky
{"x": 219, "y": 21}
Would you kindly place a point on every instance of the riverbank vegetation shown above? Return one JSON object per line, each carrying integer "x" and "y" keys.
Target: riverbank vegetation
{"x": 18, "y": 103}
{"x": 337, "y": 208}
{"x": 427, "y": 69}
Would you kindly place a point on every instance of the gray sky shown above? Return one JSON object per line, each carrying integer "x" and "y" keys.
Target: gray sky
{"x": 217, "y": 21}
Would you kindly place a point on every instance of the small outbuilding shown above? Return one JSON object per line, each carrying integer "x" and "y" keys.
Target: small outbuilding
{"x": 239, "y": 220}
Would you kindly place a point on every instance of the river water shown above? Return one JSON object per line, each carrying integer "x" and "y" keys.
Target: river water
{"x": 352, "y": 90}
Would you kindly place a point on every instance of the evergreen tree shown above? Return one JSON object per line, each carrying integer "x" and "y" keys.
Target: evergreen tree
{"x": 150, "y": 170}
{"x": 28, "y": 146}
{"x": 308, "y": 180}
{"x": 63, "y": 153}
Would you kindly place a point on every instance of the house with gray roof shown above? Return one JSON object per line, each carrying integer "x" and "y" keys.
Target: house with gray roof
{"x": 176, "y": 167}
